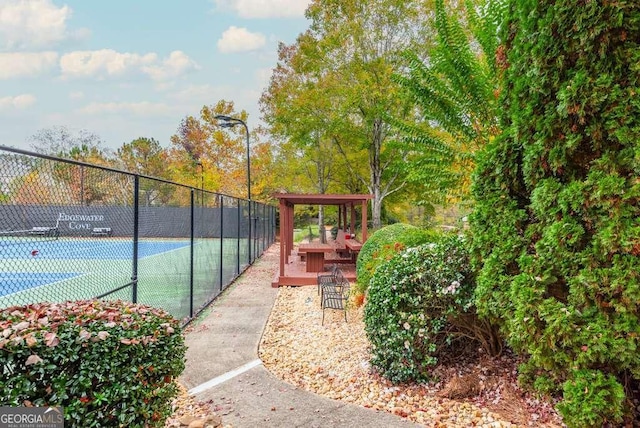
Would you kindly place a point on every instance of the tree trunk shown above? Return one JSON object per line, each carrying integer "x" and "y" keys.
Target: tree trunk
{"x": 323, "y": 235}
{"x": 376, "y": 209}
{"x": 376, "y": 173}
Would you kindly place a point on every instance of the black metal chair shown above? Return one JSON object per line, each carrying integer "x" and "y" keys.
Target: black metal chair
{"x": 327, "y": 277}
{"x": 336, "y": 295}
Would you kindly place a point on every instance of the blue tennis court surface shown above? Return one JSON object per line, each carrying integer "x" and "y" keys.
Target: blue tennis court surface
{"x": 85, "y": 249}
{"x": 23, "y": 280}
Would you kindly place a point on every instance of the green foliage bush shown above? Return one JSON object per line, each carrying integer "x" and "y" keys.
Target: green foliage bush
{"x": 108, "y": 364}
{"x": 556, "y": 229}
{"x": 417, "y": 302}
{"x": 383, "y": 244}
{"x": 588, "y": 396}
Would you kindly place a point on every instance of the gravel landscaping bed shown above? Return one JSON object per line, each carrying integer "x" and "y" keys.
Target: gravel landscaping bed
{"x": 333, "y": 360}
{"x": 187, "y": 412}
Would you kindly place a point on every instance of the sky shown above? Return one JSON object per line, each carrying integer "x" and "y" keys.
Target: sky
{"x": 124, "y": 69}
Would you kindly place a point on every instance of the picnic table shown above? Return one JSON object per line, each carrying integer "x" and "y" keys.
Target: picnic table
{"x": 315, "y": 252}
{"x": 353, "y": 245}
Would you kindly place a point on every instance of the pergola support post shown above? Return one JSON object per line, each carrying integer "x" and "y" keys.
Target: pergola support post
{"x": 364, "y": 221}
{"x": 283, "y": 235}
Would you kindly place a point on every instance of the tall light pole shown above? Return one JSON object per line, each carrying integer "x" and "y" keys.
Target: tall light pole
{"x": 195, "y": 157}
{"x": 230, "y": 122}
{"x": 201, "y": 174}
{"x": 199, "y": 163}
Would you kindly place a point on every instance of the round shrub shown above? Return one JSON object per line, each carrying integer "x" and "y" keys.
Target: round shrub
{"x": 107, "y": 363}
{"x": 384, "y": 244}
{"x": 414, "y": 300}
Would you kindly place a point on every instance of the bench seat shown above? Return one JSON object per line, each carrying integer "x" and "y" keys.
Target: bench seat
{"x": 101, "y": 231}
{"x": 44, "y": 231}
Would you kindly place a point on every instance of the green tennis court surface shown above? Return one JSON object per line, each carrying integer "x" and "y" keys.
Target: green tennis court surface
{"x": 68, "y": 268}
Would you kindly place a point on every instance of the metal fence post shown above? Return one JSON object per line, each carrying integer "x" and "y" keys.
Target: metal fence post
{"x": 250, "y": 237}
{"x": 136, "y": 232}
{"x": 264, "y": 228}
{"x": 273, "y": 225}
{"x": 238, "y": 239}
{"x": 256, "y": 224}
{"x": 260, "y": 228}
{"x": 256, "y": 230}
{"x": 221, "y": 240}
{"x": 191, "y": 253}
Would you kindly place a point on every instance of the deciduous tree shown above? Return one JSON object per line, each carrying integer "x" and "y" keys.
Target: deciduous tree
{"x": 146, "y": 156}
{"x": 202, "y": 153}
{"x": 75, "y": 183}
{"x": 455, "y": 92}
{"x": 334, "y": 85}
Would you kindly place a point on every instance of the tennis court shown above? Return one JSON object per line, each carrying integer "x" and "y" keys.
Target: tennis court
{"x": 51, "y": 268}
{"x": 94, "y": 249}
{"x": 67, "y": 232}
{"x": 24, "y": 280}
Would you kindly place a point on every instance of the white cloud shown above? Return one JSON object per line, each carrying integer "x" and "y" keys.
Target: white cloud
{"x": 236, "y": 39}
{"x": 26, "y": 64}
{"x": 266, "y": 8}
{"x": 176, "y": 64}
{"x": 107, "y": 63}
{"x": 102, "y": 63}
{"x": 32, "y": 23}
{"x": 19, "y": 102}
{"x": 144, "y": 108}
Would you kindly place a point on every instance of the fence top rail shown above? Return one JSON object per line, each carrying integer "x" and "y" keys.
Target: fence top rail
{"x": 111, "y": 169}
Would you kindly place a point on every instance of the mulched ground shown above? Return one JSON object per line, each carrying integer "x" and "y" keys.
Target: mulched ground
{"x": 333, "y": 360}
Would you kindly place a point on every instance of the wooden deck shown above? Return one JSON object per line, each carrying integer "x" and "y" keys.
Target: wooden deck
{"x": 295, "y": 271}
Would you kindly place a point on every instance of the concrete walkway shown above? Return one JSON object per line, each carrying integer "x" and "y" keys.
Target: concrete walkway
{"x": 223, "y": 368}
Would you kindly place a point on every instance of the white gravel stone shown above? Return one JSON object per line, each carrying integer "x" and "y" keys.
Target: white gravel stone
{"x": 332, "y": 360}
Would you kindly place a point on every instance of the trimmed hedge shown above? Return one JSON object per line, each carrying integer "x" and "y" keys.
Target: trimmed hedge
{"x": 383, "y": 244}
{"x": 108, "y": 364}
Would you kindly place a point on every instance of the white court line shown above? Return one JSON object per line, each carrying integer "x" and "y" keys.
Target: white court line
{"x": 224, "y": 377}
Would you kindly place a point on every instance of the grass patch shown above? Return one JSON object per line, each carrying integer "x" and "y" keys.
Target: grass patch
{"x": 305, "y": 233}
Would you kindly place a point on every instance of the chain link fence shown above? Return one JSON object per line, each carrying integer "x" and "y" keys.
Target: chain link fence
{"x": 71, "y": 231}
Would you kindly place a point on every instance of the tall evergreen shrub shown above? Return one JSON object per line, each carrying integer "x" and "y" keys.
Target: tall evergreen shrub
{"x": 557, "y": 223}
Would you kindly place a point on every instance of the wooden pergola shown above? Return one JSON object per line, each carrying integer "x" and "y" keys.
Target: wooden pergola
{"x": 346, "y": 219}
